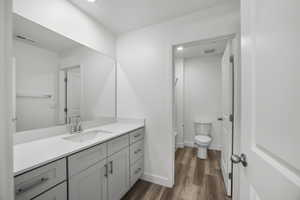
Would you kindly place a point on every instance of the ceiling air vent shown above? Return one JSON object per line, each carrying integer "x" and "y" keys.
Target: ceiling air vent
{"x": 21, "y": 37}
{"x": 208, "y": 51}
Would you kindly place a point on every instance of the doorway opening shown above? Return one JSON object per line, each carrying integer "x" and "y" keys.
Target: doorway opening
{"x": 70, "y": 81}
{"x": 204, "y": 109}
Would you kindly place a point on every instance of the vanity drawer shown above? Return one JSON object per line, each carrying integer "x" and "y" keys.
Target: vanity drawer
{"x": 136, "y": 171}
{"x": 57, "y": 193}
{"x": 117, "y": 144}
{"x": 136, "y": 151}
{"x": 84, "y": 159}
{"x": 137, "y": 135}
{"x": 35, "y": 182}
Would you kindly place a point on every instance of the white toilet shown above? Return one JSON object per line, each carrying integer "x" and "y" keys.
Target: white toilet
{"x": 202, "y": 137}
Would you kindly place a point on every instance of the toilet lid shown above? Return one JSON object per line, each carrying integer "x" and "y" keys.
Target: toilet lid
{"x": 203, "y": 138}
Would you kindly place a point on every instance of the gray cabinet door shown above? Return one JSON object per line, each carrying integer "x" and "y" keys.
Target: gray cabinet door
{"x": 118, "y": 178}
{"x": 57, "y": 193}
{"x": 90, "y": 184}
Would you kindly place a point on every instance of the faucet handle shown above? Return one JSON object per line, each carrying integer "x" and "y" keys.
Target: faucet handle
{"x": 79, "y": 127}
{"x": 72, "y": 126}
{"x": 78, "y": 124}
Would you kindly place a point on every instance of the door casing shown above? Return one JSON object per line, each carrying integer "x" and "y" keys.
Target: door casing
{"x": 6, "y": 115}
{"x": 237, "y": 107}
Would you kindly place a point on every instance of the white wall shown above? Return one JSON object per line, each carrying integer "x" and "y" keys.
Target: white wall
{"x": 36, "y": 74}
{"x": 6, "y": 157}
{"x": 202, "y": 96}
{"x": 145, "y": 78}
{"x": 64, "y": 18}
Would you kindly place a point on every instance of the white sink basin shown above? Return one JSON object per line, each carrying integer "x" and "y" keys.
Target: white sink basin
{"x": 86, "y": 136}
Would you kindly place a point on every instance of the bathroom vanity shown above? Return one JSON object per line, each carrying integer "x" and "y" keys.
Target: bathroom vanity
{"x": 57, "y": 81}
{"x": 103, "y": 167}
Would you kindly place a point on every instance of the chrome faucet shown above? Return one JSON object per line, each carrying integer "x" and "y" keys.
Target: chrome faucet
{"x": 75, "y": 124}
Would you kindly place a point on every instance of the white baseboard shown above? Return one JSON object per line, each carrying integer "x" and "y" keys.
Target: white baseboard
{"x": 189, "y": 143}
{"x": 159, "y": 180}
{"x": 212, "y": 147}
{"x": 179, "y": 145}
{"x": 215, "y": 147}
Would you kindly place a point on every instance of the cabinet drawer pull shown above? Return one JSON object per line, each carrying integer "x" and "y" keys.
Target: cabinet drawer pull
{"x": 137, "y": 151}
{"x": 111, "y": 167}
{"x": 106, "y": 171}
{"x": 138, "y": 135}
{"x": 31, "y": 186}
{"x": 138, "y": 170}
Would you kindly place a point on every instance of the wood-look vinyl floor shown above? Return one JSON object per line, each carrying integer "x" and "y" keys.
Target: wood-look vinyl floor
{"x": 195, "y": 179}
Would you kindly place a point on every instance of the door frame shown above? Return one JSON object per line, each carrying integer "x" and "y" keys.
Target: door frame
{"x": 6, "y": 128}
{"x": 236, "y": 108}
{"x": 182, "y": 104}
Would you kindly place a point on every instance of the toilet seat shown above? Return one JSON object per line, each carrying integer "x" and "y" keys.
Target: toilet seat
{"x": 203, "y": 139}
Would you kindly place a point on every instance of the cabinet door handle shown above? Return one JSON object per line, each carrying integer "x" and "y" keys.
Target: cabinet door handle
{"x": 106, "y": 171}
{"x": 137, "y": 151}
{"x": 138, "y": 135}
{"x": 31, "y": 186}
{"x": 111, "y": 167}
{"x": 138, "y": 170}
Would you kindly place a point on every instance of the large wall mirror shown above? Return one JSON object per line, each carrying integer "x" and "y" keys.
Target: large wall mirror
{"x": 56, "y": 78}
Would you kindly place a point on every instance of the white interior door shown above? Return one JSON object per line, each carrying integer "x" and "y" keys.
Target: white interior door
{"x": 74, "y": 92}
{"x": 227, "y": 111}
{"x": 62, "y": 118}
{"x": 270, "y": 100}
{"x": 14, "y": 95}
{"x": 178, "y": 90}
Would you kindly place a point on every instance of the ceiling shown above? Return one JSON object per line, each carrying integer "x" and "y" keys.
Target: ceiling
{"x": 40, "y": 36}
{"x": 125, "y": 15}
{"x": 198, "y": 49}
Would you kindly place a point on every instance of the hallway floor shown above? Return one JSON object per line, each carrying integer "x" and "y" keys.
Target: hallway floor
{"x": 195, "y": 180}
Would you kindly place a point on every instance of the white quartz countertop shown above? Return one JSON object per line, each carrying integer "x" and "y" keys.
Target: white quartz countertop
{"x": 34, "y": 154}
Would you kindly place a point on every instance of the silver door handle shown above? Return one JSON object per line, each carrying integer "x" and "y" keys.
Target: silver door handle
{"x": 31, "y": 186}
{"x": 106, "y": 171}
{"x": 111, "y": 167}
{"x": 137, "y": 151}
{"x": 138, "y": 170}
{"x": 239, "y": 159}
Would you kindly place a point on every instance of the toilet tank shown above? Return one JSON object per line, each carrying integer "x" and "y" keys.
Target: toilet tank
{"x": 203, "y": 127}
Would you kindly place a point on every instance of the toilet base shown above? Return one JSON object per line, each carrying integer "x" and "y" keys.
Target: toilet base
{"x": 202, "y": 152}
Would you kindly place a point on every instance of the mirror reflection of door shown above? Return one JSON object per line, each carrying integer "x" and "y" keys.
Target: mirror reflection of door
{"x": 70, "y": 93}
{"x": 73, "y": 93}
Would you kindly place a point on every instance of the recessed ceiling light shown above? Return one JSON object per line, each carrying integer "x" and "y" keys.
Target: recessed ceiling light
{"x": 180, "y": 48}
{"x": 92, "y": 1}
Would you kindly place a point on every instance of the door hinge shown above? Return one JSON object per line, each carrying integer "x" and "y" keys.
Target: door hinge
{"x": 231, "y": 59}
{"x": 65, "y": 110}
{"x": 230, "y": 175}
{"x": 231, "y": 117}
{"x": 66, "y": 79}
